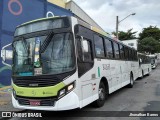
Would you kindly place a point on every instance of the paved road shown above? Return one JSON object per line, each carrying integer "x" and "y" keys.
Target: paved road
{"x": 144, "y": 96}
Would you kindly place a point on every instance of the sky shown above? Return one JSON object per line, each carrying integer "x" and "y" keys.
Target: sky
{"x": 104, "y": 12}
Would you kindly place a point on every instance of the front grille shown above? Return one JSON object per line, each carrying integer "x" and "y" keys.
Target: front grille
{"x": 43, "y": 102}
{"x": 36, "y": 81}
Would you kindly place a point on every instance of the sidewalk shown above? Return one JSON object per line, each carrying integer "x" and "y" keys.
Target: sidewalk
{"x": 5, "y": 99}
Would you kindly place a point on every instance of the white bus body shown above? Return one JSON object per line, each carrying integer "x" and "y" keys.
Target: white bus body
{"x": 144, "y": 65}
{"x": 103, "y": 65}
{"x": 154, "y": 61}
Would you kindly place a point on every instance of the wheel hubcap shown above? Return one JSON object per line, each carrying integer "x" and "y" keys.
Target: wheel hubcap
{"x": 101, "y": 94}
{"x": 131, "y": 81}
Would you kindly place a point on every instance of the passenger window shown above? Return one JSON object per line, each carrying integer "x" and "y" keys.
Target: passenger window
{"x": 134, "y": 55}
{"x": 126, "y": 53}
{"x": 130, "y": 54}
{"x": 87, "y": 54}
{"x": 99, "y": 47}
{"x": 84, "y": 55}
{"x": 121, "y": 48}
{"x": 116, "y": 50}
{"x": 109, "y": 48}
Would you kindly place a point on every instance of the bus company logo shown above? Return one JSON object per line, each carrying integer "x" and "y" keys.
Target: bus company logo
{"x": 6, "y": 114}
{"x": 33, "y": 93}
{"x": 48, "y": 92}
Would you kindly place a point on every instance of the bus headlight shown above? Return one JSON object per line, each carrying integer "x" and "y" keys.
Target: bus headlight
{"x": 66, "y": 90}
{"x": 70, "y": 87}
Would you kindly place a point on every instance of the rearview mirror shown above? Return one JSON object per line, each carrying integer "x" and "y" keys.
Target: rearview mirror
{"x": 6, "y": 55}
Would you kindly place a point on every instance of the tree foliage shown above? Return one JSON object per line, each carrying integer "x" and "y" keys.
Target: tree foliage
{"x": 149, "y": 40}
{"x": 126, "y": 35}
{"x": 149, "y": 45}
{"x": 151, "y": 31}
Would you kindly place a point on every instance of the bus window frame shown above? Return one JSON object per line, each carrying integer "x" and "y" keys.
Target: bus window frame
{"x": 114, "y": 42}
{"x": 106, "y": 48}
{"x": 104, "y": 57}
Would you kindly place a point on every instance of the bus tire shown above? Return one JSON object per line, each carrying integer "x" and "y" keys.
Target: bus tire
{"x": 142, "y": 74}
{"x": 148, "y": 72}
{"x": 102, "y": 96}
{"x": 131, "y": 81}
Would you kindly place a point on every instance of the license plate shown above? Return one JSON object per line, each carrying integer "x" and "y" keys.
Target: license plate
{"x": 35, "y": 103}
{"x": 37, "y": 71}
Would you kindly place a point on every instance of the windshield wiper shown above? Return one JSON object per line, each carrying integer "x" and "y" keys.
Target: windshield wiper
{"x": 46, "y": 42}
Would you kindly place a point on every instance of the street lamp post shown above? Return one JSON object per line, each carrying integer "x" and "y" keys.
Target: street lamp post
{"x": 117, "y": 23}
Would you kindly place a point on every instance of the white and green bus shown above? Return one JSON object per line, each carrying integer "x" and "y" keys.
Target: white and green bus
{"x": 144, "y": 65}
{"x": 63, "y": 63}
{"x": 153, "y": 60}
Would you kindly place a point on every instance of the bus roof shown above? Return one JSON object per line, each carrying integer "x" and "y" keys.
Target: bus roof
{"x": 87, "y": 25}
{"x": 81, "y": 22}
{"x": 36, "y": 20}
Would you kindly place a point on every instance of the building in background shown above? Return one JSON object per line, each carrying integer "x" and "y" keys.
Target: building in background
{"x": 133, "y": 43}
{"x": 61, "y": 3}
{"x": 16, "y": 12}
{"x": 74, "y": 8}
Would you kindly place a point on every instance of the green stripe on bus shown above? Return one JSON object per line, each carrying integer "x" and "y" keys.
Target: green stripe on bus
{"x": 99, "y": 72}
{"x": 38, "y": 91}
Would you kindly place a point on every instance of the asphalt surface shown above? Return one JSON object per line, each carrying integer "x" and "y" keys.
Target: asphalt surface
{"x": 144, "y": 96}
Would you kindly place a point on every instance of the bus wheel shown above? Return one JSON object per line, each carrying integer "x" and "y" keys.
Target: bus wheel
{"x": 142, "y": 74}
{"x": 102, "y": 96}
{"x": 131, "y": 81}
{"x": 148, "y": 72}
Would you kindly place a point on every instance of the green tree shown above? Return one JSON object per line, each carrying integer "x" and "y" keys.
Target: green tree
{"x": 126, "y": 35}
{"x": 149, "y": 45}
{"x": 151, "y": 31}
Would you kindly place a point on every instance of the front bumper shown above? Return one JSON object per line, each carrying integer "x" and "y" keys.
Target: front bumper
{"x": 70, "y": 101}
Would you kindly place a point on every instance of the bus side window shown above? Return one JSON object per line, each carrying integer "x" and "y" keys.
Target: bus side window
{"x": 126, "y": 53}
{"x": 99, "y": 47}
{"x": 121, "y": 48}
{"x": 85, "y": 56}
{"x": 116, "y": 50}
{"x": 130, "y": 54}
{"x": 109, "y": 48}
{"x": 84, "y": 50}
{"x": 135, "y": 55}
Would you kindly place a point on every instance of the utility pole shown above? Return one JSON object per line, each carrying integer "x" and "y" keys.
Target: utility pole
{"x": 117, "y": 27}
{"x": 117, "y": 23}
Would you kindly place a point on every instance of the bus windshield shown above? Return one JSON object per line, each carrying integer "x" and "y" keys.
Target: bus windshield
{"x": 56, "y": 56}
{"x": 42, "y": 25}
{"x": 152, "y": 61}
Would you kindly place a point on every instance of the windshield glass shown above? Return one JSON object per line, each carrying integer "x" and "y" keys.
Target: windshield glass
{"x": 57, "y": 57}
{"x": 42, "y": 25}
{"x": 152, "y": 60}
